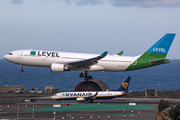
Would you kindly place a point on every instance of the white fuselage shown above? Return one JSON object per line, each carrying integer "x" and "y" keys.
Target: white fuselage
{"x": 101, "y": 95}
{"x": 44, "y": 58}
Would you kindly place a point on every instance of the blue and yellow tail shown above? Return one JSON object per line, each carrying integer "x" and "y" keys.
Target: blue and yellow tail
{"x": 124, "y": 86}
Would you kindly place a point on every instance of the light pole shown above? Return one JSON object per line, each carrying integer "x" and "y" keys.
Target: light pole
{"x": 69, "y": 115}
{"x": 54, "y": 112}
{"x": 33, "y": 111}
{"x": 17, "y": 108}
{"x": 54, "y": 106}
{"x": 33, "y": 100}
{"x": 54, "y": 115}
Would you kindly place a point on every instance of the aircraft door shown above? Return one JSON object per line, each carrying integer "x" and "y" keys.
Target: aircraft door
{"x": 19, "y": 55}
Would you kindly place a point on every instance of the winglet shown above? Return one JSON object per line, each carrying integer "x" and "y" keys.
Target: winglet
{"x": 104, "y": 54}
{"x": 95, "y": 94}
{"x": 120, "y": 53}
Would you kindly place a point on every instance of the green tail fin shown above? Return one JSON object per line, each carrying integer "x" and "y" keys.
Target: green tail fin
{"x": 155, "y": 55}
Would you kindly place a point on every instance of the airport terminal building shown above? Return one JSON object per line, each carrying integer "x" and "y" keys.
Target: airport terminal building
{"x": 12, "y": 89}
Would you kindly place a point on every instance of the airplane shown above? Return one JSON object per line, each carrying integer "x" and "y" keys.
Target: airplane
{"x": 66, "y": 61}
{"x": 94, "y": 95}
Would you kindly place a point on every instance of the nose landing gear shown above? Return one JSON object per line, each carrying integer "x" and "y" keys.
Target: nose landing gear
{"x": 21, "y": 70}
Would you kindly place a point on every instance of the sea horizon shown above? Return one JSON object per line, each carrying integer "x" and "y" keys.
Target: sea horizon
{"x": 163, "y": 77}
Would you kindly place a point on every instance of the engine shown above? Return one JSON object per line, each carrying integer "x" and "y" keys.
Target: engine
{"x": 56, "y": 67}
{"x": 80, "y": 99}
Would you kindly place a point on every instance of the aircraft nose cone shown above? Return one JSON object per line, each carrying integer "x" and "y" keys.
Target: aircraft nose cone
{"x": 52, "y": 97}
{"x": 5, "y": 57}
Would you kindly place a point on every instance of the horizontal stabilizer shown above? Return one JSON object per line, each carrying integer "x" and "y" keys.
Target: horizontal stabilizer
{"x": 155, "y": 62}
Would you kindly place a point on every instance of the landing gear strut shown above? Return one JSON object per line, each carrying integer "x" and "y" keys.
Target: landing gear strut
{"x": 91, "y": 101}
{"x": 21, "y": 70}
{"x": 85, "y": 75}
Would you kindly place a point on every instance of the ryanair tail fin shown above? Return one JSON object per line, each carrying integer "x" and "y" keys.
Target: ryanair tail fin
{"x": 124, "y": 86}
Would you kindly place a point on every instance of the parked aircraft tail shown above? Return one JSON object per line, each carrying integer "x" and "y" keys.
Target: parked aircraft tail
{"x": 124, "y": 86}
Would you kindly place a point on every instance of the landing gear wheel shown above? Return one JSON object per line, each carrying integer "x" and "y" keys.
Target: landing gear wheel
{"x": 89, "y": 77}
{"x": 81, "y": 75}
{"x": 86, "y": 77}
{"x": 21, "y": 70}
{"x": 91, "y": 101}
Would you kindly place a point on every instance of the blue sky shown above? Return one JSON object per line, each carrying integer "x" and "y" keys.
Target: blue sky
{"x": 88, "y": 26}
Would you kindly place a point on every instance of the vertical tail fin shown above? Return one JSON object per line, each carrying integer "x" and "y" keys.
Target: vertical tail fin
{"x": 161, "y": 47}
{"x": 124, "y": 86}
{"x": 155, "y": 55}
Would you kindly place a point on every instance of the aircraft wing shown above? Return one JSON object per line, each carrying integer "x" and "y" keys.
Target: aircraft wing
{"x": 85, "y": 63}
{"x": 90, "y": 97}
{"x": 87, "y": 97}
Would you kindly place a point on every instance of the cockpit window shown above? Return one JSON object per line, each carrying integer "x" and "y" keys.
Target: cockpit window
{"x": 10, "y": 54}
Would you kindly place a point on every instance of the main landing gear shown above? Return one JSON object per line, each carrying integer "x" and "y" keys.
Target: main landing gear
{"x": 91, "y": 101}
{"x": 85, "y": 75}
{"x": 21, "y": 70}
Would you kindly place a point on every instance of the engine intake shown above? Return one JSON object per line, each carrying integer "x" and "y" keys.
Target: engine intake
{"x": 80, "y": 99}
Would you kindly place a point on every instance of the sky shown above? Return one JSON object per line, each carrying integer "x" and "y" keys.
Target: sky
{"x": 88, "y": 26}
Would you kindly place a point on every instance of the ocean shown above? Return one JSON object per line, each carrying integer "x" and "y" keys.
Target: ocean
{"x": 162, "y": 77}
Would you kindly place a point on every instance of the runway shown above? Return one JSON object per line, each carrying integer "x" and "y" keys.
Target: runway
{"x": 114, "y": 109}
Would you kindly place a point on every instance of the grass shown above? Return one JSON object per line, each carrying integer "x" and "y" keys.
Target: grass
{"x": 90, "y": 107}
